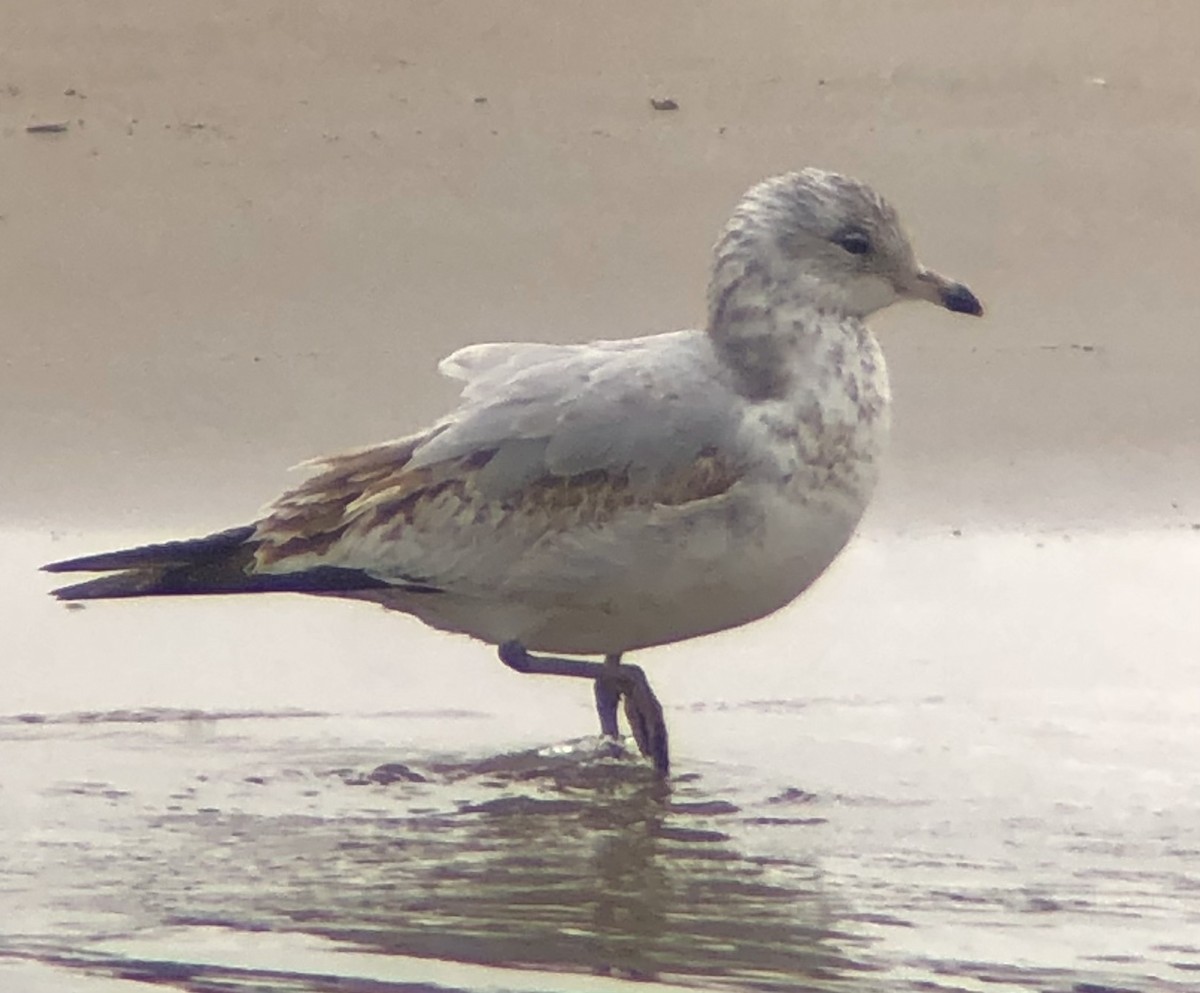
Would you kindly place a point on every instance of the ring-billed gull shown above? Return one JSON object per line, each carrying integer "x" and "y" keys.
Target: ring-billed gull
{"x": 595, "y": 499}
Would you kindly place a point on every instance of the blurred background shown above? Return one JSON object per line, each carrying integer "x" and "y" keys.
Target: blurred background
{"x": 262, "y": 226}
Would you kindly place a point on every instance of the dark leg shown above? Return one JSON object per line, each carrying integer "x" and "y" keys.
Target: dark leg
{"x": 645, "y": 716}
{"x": 612, "y": 680}
{"x": 608, "y": 695}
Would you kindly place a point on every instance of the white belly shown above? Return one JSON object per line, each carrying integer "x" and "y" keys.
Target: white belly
{"x": 721, "y": 580}
{"x": 665, "y": 576}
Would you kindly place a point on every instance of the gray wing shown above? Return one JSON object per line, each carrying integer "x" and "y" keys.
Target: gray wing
{"x": 547, "y": 438}
{"x": 648, "y": 406}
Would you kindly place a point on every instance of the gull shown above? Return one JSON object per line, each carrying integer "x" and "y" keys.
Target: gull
{"x": 593, "y": 499}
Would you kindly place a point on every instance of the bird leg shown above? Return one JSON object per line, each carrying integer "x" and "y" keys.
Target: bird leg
{"x": 612, "y": 680}
{"x": 608, "y": 695}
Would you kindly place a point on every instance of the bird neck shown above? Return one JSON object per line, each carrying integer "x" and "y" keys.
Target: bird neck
{"x": 766, "y": 330}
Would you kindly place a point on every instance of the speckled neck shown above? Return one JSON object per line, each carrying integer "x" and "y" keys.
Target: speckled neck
{"x": 762, "y": 323}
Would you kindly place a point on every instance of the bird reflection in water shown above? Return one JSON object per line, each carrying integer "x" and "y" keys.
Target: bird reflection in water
{"x": 555, "y": 863}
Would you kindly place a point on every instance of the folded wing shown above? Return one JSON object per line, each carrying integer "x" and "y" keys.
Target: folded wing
{"x": 548, "y": 439}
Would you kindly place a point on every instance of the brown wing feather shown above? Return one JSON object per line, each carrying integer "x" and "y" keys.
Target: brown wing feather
{"x": 377, "y": 488}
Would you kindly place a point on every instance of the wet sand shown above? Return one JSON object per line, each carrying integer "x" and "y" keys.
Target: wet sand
{"x": 937, "y": 773}
{"x": 964, "y": 762}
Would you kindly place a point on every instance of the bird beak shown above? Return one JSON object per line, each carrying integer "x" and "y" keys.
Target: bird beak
{"x": 936, "y": 288}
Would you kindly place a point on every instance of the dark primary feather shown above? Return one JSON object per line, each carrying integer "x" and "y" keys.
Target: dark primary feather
{"x": 218, "y": 563}
{"x": 192, "y": 551}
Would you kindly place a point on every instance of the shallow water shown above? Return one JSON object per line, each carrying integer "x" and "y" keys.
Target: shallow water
{"x": 963, "y": 763}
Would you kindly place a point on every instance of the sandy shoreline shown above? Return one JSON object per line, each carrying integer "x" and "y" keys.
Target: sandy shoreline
{"x": 262, "y": 228}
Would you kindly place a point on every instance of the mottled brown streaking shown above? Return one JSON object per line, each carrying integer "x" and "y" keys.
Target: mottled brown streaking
{"x": 377, "y": 489}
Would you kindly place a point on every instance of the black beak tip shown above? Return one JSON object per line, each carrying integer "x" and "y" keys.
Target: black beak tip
{"x": 959, "y": 299}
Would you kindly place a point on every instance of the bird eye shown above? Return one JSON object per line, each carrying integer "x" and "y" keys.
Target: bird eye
{"x": 854, "y": 241}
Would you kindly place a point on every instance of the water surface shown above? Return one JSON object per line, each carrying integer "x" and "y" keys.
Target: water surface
{"x": 964, "y": 763}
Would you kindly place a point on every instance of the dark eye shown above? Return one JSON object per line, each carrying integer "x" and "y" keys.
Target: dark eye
{"x": 853, "y": 241}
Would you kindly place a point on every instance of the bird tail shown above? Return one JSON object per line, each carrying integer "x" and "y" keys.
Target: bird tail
{"x": 219, "y": 563}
